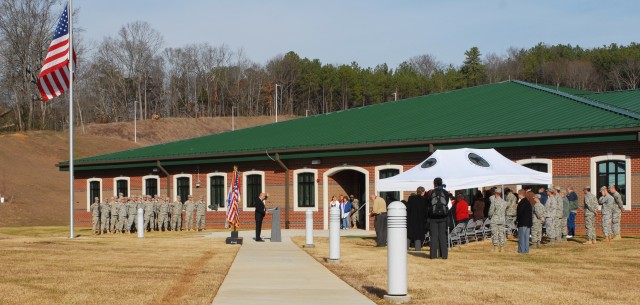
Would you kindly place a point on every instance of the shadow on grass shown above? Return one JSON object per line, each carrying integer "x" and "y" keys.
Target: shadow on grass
{"x": 419, "y": 254}
{"x": 379, "y": 292}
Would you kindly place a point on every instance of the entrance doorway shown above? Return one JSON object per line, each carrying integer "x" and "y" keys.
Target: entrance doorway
{"x": 347, "y": 180}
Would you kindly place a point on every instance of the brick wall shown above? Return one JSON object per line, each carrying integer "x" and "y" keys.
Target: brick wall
{"x": 571, "y": 166}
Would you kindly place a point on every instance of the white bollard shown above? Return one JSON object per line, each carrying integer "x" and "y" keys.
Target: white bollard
{"x": 309, "y": 230}
{"x": 334, "y": 235}
{"x": 397, "y": 253}
{"x": 140, "y": 223}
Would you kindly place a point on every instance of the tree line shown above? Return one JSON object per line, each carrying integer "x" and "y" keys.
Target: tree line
{"x": 133, "y": 68}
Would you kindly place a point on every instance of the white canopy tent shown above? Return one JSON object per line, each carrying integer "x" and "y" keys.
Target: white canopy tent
{"x": 462, "y": 169}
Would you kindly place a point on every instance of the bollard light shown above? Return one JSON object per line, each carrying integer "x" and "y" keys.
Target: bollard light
{"x": 140, "y": 223}
{"x": 397, "y": 253}
{"x": 309, "y": 230}
{"x": 334, "y": 235}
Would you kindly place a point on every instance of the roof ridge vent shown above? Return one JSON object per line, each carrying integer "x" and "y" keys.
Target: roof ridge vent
{"x": 603, "y": 106}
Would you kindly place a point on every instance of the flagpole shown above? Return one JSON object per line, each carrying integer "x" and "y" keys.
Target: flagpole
{"x": 70, "y": 8}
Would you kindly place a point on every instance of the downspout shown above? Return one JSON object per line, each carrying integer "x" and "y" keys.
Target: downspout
{"x": 168, "y": 178}
{"x": 286, "y": 190}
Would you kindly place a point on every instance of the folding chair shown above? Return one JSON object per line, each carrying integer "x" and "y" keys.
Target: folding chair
{"x": 470, "y": 230}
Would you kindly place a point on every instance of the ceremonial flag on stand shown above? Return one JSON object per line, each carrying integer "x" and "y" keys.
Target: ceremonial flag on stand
{"x": 232, "y": 200}
{"x": 54, "y": 75}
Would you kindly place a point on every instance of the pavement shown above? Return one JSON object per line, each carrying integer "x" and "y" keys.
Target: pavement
{"x": 282, "y": 273}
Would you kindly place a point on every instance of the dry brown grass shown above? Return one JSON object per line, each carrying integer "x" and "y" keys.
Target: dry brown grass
{"x": 42, "y": 266}
{"x": 567, "y": 273}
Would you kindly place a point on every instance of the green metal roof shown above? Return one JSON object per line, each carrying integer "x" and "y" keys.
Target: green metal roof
{"x": 565, "y": 89}
{"x": 504, "y": 109}
{"x": 627, "y": 99}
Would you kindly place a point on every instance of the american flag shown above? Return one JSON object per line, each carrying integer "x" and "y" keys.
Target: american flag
{"x": 54, "y": 75}
{"x": 232, "y": 200}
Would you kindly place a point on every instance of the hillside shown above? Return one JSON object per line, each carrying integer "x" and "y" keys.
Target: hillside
{"x": 38, "y": 193}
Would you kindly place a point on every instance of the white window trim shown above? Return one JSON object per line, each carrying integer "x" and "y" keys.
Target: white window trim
{"x": 225, "y": 188}
{"x": 387, "y": 166}
{"x": 548, "y": 162}
{"x": 296, "y": 172}
{"x": 115, "y": 186}
{"x": 144, "y": 184}
{"x": 244, "y": 189}
{"x": 627, "y": 168}
{"x": 175, "y": 184}
{"x": 89, "y": 199}
{"x": 325, "y": 192}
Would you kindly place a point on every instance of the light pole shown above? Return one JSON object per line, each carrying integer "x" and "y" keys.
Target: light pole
{"x": 135, "y": 122}
{"x": 395, "y": 95}
{"x": 233, "y": 122}
{"x": 277, "y": 102}
{"x": 306, "y": 113}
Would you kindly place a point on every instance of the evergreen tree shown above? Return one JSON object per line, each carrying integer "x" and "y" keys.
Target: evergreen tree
{"x": 473, "y": 70}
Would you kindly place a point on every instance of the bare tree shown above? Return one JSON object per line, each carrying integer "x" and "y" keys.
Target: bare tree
{"x": 426, "y": 64}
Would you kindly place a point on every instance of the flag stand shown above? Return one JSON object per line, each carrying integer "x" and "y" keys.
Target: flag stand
{"x": 233, "y": 209}
{"x": 234, "y": 239}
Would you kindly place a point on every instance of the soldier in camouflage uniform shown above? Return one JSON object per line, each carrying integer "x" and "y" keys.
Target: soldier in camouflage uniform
{"x": 149, "y": 219}
{"x": 537, "y": 221}
{"x": 590, "y": 210}
{"x": 607, "y": 203}
{"x": 189, "y": 208}
{"x": 617, "y": 211}
{"x": 561, "y": 221}
{"x": 132, "y": 211}
{"x": 95, "y": 215}
{"x": 176, "y": 215}
{"x": 156, "y": 212}
{"x": 201, "y": 209}
{"x": 498, "y": 214}
{"x": 163, "y": 215}
{"x": 512, "y": 209}
{"x": 123, "y": 210}
{"x": 105, "y": 217}
{"x": 114, "y": 214}
{"x": 550, "y": 207}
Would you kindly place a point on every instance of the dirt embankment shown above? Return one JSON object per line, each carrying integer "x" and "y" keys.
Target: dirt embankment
{"x": 38, "y": 193}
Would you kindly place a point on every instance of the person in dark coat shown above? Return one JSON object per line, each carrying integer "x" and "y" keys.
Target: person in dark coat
{"x": 437, "y": 224}
{"x": 261, "y": 210}
{"x": 416, "y": 215}
{"x": 524, "y": 220}
{"x": 478, "y": 207}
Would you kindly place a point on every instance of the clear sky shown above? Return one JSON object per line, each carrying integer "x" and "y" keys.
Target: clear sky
{"x": 367, "y": 31}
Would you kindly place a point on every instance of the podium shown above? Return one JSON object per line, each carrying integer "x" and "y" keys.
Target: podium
{"x": 276, "y": 235}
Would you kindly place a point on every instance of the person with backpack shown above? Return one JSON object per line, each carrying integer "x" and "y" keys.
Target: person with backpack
{"x": 437, "y": 213}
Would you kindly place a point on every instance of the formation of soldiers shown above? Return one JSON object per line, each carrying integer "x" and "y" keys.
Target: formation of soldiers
{"x": 119, "y": 215}
{"x": 551, "y": 211}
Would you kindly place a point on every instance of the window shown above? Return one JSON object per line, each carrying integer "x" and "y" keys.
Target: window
{"x": 612, "y": 169}
{"x": 183, "y": 187}
{"x": 252, "y": 185}
{"x": 151, "y": 186}
{"x": 254, "y": 188}
{"x": 306, "y": 190}
{"x": 541, "y": 167}
{"x": 121, "y": 186}
{"x": 217, "y": 191}
{"x": 612, "y": 172}
{"x": 386, "y": 173}
{"x": 94, "y": 190}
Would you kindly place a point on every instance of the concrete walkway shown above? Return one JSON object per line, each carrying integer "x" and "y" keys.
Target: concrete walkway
{"x": 282, "y": 273}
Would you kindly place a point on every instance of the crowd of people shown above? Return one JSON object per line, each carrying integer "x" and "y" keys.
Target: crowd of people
{"x": 550, "y": 212}
{"x": 349, "y": 211}
{"x": 118, "y": 215}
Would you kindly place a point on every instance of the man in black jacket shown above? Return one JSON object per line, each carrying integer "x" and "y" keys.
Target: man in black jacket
{"x": 416, "y": 218}
{"x": 261, "y": 210}
{"x": 524, "y": 220}
{"x": 438, "y": 223}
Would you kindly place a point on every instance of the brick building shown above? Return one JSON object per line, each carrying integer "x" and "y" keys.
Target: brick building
{"x": 582, "y": 138}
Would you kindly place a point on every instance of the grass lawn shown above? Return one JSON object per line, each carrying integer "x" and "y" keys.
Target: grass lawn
{"x": 565, "y": 273}
{"x": 41, "y": 265}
